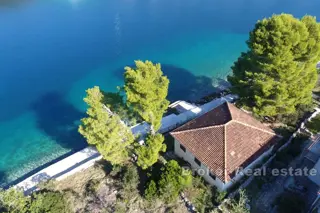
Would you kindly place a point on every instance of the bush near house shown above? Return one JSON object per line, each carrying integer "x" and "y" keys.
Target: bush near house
{"x": 203, "y": 195}
{"x": 173, "y": 180}
{"x": 314, "y": 125}
{"x": 236, "y": 205}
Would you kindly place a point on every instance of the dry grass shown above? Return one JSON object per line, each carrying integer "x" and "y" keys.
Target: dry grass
{"x": 93, "y": 191}
{"x": 87, "y": 191}
{"x": 78, "y": 181}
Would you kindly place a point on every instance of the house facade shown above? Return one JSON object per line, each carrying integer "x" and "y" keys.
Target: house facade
{"x": 222, "y": 141}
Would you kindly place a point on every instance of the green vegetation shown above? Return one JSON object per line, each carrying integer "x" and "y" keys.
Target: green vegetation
{"x": 109, "y": 115}
{"x": 146, "y": 90}
{"x": 115, "y": 101}
{"x": 151, "y": 192}
{"x": 105, "y": 130}
{"x": 173, "y": 180}
{"x": 149, "y": 153}
{"x": 314, "y": 125}
{"x": 130, "y": 181}
{"x": 13, "y": 201}
{"x": 203, "y": 196}
{"x": 274, "y": 78}
{"x": 237, "y": 205}
{"x": 51, "y": 202}
{"x": 278, "y": 72}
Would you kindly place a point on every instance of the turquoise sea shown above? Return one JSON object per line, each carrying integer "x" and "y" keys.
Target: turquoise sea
{"x": 51, "y": 51}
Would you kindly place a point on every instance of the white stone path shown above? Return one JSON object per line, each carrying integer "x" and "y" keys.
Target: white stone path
{"x": 87, "y": 157}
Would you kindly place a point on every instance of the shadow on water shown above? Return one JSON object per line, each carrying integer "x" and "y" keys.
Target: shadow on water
{"x": 59, "y": 120}
{"x": 3, "y": 178}
{"x": 187, "y": 86}
{"x": 184, "y": 85}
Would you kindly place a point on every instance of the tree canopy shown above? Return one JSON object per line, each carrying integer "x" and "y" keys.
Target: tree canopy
{"x": 105, "y": 130}
{"x": 173, "y": 180}
{"x": 142, "y": 98}
{"x": 146, "y": 90}
{"x": 278, "y": 72}
{"x": 148, "y": 154}
{"x": 13, "y": 201}
{"x": 115, "y": 101}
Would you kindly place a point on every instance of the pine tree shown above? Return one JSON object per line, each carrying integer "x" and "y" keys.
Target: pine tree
{"x": 148, "y": 154}
{"x": 278, "y": 72}
{"x": 146, "y": 91}
{"x": 105, "y": 130}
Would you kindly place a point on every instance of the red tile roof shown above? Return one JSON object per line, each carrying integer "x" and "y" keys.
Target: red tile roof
{"x": 225, "y": 139}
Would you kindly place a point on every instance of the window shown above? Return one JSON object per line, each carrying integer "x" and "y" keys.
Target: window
{"x": 212, "y": 176}
{"x": 197, "y": 161}
{"x": 183, "y": 148}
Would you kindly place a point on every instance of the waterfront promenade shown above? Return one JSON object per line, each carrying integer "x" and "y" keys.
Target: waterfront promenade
{"x": 87, "y": 157}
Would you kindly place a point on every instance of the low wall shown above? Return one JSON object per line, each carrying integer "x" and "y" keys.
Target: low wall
{"x": 68, "y": 166}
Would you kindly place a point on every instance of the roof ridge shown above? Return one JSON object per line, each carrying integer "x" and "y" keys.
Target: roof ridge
{"x": 201, "y": 128}
{"x": 254, "y": 127}
{"x": 228, "y": 106}
{"x": 225, "y": 151}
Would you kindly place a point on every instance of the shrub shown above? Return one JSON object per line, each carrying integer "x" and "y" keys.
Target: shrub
{"x": 130, "y": 181}
{"x": 237, "y": 205}
{"x": 13, "y": 201}
{"x": 173, "y": 180}
{"x": 51, "y": 202}
{"x": 116, "y": 170}
{"x": 314, "y": 125}
{"x": 91, "y": 187}
{"x": 151, "y": 191}
{"x": 200, "y": 194}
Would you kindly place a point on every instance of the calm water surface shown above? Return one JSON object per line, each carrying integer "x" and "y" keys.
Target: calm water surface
{"x": 51, "y": 51}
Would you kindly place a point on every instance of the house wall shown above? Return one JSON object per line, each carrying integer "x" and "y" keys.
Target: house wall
{"x": 189, "y": 157}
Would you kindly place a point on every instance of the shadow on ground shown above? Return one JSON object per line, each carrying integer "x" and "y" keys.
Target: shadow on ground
{"x": 59, "y": 120}
{"x": 184, "y": 85}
